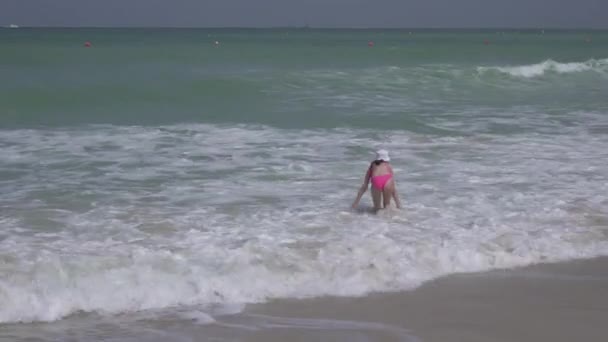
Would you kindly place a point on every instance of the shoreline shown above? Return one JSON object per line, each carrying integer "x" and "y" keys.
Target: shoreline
{"x": 544, "y": 302}
{"x": 555, "y": 302}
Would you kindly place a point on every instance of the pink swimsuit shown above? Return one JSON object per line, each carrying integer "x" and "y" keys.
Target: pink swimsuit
{"x": 380, "y": 181}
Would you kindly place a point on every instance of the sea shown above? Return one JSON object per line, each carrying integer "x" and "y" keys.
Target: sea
{"x": 148, "y": 174}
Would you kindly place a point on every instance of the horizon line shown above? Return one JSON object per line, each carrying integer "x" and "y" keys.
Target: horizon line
{"x": 308, "y": 27}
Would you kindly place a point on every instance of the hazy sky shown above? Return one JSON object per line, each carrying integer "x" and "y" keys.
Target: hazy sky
{"x": 316, "y": 13}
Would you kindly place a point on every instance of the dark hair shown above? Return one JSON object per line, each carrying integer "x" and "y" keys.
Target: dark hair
{"x": 378, "y": 162}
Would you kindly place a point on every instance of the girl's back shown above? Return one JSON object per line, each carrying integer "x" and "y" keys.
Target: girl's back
{"x": 379, "y": 168}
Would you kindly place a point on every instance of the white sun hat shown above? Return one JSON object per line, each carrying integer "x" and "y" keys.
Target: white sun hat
{"x": 382, "y": 155}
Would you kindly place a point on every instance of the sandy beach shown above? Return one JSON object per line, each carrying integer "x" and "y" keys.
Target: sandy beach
{"x": 555, "y": 302}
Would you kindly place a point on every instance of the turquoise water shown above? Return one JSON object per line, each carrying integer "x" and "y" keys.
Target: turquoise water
{"x": 160, "y": 172}
{"x": 287, "y": 78}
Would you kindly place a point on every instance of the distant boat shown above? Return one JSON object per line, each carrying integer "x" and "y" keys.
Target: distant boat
{"x": 13, "y": 26}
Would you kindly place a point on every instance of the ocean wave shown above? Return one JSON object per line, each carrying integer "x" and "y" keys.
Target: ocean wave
{"x": 128, "y": 278}
{"x": 138, "y": 218}
{"x": 549, "y": 66}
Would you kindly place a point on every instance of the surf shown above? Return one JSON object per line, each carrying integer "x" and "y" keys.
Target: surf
{"x": 549, "y": 66}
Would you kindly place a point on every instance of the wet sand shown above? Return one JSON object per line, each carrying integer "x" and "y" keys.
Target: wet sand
{"x": 552, "y": 302}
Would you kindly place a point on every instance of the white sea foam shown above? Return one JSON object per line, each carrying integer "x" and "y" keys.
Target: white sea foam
{"x": 120, "y": 219}
{"x": 549, "y": 66}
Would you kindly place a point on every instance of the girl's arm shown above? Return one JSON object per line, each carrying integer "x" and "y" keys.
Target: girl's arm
{"x": 363, "y": 188}
{"x": 395, "y": 196}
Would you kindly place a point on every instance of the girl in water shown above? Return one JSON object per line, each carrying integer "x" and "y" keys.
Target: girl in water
{"x": 380, "y": 174}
